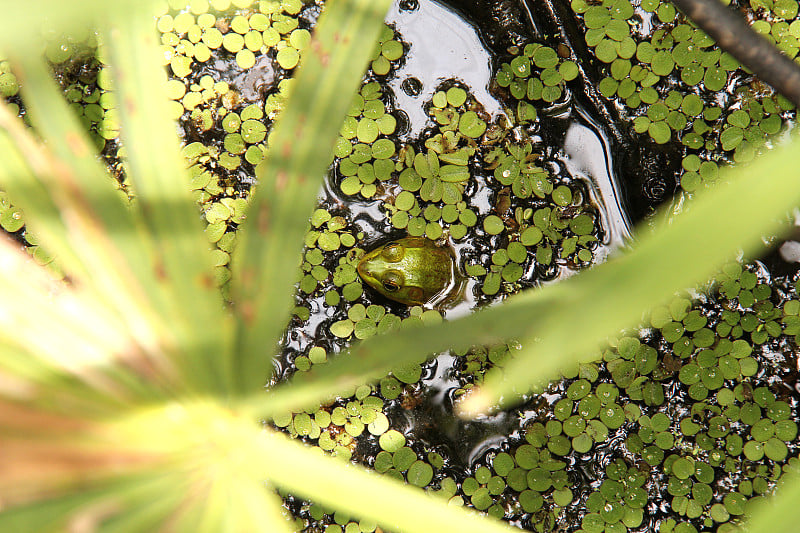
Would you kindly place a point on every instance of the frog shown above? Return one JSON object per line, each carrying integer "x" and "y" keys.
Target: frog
{"x": 411, "y": 270}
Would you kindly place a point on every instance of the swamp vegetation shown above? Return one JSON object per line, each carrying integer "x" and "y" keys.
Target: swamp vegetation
{"x": 618, "y": 192}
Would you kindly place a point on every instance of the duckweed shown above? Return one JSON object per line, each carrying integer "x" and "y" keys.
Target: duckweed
{"x": 388, "y": 51}
{"x": 731, "y": 427}
{"x": 8, "y": 84}
{"x": 336, "y": 427}
{"x": 11, "y": 217}
{"x": 364, "y": 150}
{"x": 735, "y": 435}
{"x": 431, "y": 199}
{"x": 670, "y": 82}
{"x": 535, "y": 73}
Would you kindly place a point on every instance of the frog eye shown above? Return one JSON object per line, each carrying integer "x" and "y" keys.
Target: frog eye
{"x": 393, "y": 253}
{"x": 392, "y": 281}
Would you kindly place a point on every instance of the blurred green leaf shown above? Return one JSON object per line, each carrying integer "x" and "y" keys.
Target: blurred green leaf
{"x": 301, "y": 146}
{"x": 751, "y": 201}
{"x": 142, "y": 502}
{"x": 27, "y": 172}
{"x": 779, "y": 514}
{"x": 20, "y": 155}
{"x": 181, "y": 261}
{"x": 23, "y": 28}
{"x": 72, "y": 212}
{"x": 304, "y": 471}
{"x": 235, "y": 505}
{"x": 84, "y": 339}
{"x": 375, "y": 357}
{"x": 573, "y": 317}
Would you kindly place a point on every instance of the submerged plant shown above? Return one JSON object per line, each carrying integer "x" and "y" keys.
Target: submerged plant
{"x": 131, "y": 397}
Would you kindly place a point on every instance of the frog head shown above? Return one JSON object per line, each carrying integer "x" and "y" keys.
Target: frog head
{"x": 412, "y": 270}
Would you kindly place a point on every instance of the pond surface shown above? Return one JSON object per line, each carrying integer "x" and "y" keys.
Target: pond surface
{"x": 531, "y": 137}
{"x": 577, "y": 450}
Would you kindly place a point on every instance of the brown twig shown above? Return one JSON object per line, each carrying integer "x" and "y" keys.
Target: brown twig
{"x": 735, "y": 36}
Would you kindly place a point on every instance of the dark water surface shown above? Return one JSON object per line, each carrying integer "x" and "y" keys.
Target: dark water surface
{"x": 584, "y": 139}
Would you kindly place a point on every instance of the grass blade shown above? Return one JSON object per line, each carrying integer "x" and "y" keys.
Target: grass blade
{"x": 72, "y": 212}
{"x": 132, "y": 504}
{"x": 50, "y": 453}
{"x": 376, "y": 356}
{"x": 61, "y": 347}
{"x": 266, "y": 261}
{"x": 779, "y": 514}
{"x": 182, "y": 263}
{"x": 88, "y": 182}
{"x": 672, "y": 259}
{"x": 304, "y": 471}
{"x": 22, "y": 157}
{"x": 734, "y": 217}
{"x": 82, "y": 338}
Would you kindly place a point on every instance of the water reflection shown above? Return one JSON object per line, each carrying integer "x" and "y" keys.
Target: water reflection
{"x": 444, "y": 46}
{"x": 587, "y": 156}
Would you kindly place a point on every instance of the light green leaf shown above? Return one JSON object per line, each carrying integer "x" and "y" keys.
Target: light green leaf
{"x": 236, "y": 505}
{"x": 305, "y": 471}
{"x": 70, "y": 212}
{"x": 181, "y": 260}
{"x": 301, "y": 145}
{"x": 126, "y": 505}
{"x": 375, "y": 357}
{"x": 83, "y": 338}
{"x": 752, "y": 201}
{"x": 779, "y": 515}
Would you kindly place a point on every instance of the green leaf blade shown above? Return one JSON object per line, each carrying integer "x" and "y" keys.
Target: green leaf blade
{"x": 70, "y": 206}
{"x": 373, "y": 358}
{"x": 181, "y": 262}
{"x": 334, "y": 483}
{"x": 750, "y": 201}
{"x": 265, "y": 265}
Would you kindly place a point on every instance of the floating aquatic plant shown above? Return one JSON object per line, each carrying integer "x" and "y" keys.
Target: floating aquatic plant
{"x": 716, "y": 363}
